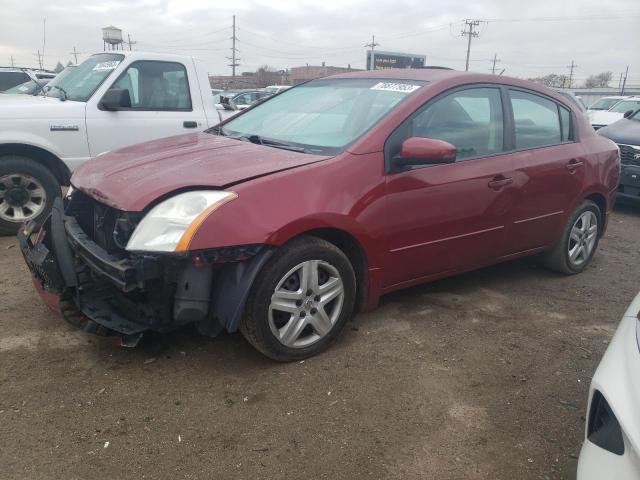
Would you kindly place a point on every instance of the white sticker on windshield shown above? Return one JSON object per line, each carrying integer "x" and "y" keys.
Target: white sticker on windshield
{"x": 107, "y": 65}
{"x": 395, "y": 87}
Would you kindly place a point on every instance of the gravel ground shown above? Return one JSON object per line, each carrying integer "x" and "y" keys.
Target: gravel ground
{"x": 481, "y": 376}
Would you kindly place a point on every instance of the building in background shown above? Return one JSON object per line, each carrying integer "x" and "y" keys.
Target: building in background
{"x": 299, "y": 75}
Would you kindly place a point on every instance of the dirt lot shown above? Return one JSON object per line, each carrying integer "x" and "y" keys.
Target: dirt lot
{"x": 481, "y": 376}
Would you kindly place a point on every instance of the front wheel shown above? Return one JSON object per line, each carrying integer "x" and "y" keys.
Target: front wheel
{"x": 27, "y": 192}
{"x": 300, "y": 300}
{"x": 579, "y": 241}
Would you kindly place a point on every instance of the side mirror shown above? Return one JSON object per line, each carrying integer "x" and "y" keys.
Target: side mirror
{"x": 628, "y": 113}
{"x": 115, "y": 99}
{"x": 425, "y": 151}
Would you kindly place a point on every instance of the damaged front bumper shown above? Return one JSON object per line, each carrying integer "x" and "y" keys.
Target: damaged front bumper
{"x": 125, "y": 294}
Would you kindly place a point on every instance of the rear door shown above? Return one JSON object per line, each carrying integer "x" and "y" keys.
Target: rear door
{"x": 549, "y": 170}
{"x": 165, "y": 101}
{"x": 451, "y": 217}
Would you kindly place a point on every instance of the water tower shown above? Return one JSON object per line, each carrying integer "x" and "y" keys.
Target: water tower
{"x": 112, "y": 38}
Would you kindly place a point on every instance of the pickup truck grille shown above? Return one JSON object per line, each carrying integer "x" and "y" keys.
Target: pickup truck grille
{"x": 629, "y": 154}
{"x": 108, "y": 227}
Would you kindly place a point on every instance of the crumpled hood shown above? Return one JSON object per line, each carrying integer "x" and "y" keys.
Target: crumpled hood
{"x": 625, "y": 131}
{"x": 600, "y": 117}
{"x": 133, "y": 177}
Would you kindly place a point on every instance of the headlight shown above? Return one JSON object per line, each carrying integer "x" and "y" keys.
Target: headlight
{"x": 170, "y": 225}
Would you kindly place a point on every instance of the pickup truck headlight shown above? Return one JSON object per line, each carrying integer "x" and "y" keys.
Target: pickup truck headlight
{"x": 170, "y": 225}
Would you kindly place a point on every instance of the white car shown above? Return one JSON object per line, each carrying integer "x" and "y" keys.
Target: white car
{"x": 599, "y": 119}
{"x": 605, "y": 103}
{"x": 611, "y": 448}
{"x": 274, "y": 89}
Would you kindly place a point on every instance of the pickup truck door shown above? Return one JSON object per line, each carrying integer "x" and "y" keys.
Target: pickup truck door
{"x": 165, "y": 101}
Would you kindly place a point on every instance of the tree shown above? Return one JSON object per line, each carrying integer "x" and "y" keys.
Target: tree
{"x": 602, "y": 79}
{"x": 59, "y": 67}
{"x": 551, "y": 80}
{"x": 266, "y": 75}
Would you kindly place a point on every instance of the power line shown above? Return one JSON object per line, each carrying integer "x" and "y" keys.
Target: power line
{"x": 373, "y": 45}
{"x": 495, "y": 60}
{"x": 470, "y": 25}
{"x": 75, "y": 53}
{"x": 234, "y": 60}
{"x": 571, "y": 68}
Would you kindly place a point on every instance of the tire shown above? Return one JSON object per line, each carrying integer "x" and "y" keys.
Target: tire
{"x": 27, "y": 192}
{"x": 559, "y": 259}
{"x": 314, "y": 317}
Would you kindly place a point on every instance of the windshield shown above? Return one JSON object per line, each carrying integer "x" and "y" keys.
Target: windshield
{"x": 604, "y": 104}
{"x": 26, "y": 88}
{"x": 323, "y": 116}
{"x": 80, "y": 82}
{"x": 626, "y": 105}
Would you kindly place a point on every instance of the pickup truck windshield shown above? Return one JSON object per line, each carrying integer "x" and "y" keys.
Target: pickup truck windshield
{"x": 323, "y": 116}
{"x": 625, "y": 105}
{"x": 80, "y": 82}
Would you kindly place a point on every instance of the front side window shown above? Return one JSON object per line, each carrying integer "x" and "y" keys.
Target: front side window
{"x": 471, "y": 120}
{"x": 79, "y": 83}
{"x": 156, "y": 86}
{"x": 323, "y": 116}
{"x": 537, "y": 121}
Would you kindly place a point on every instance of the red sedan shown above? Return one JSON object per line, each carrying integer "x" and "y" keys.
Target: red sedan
{"x": 290, "y": 217}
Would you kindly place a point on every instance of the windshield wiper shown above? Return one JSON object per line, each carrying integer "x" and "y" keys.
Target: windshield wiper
{"x": 258, "y": 140}
{"x": 63, "y": 92}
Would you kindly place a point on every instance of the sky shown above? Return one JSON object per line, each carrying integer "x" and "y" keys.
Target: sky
{"x": 530, "y": 39}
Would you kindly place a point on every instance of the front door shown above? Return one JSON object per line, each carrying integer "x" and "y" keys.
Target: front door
{"x": 451, "y": 217}
{"x": 161, "y": 106}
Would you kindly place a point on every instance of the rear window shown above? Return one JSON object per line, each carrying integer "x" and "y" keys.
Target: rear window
{"x": 537, "y": 120}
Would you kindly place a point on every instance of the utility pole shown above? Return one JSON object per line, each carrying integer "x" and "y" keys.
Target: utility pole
{"x": 470, "y": 25}
{"x": 373, "y": 45}
{"x": 39, "y": 59}
{"x": 624, "y": 81}
{"x": 75, "y": 53}
{"x": 620, "y": 81}
{"x": 234, "y": 59}
{"x": 571, "y": 68}
{"x": 495, "y": 60}
{"x": 44, "y": 39}
{"x": 130, "y": 42}
{"x": 13, "y": 63}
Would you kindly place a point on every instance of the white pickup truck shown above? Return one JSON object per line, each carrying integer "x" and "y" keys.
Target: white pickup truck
{"x": 111, "y": 100}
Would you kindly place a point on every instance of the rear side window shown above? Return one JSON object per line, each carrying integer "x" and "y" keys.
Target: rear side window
{"x": 565, "y": 124}
{"x": 471, "y": 120}
{"x": 537, "y": 120}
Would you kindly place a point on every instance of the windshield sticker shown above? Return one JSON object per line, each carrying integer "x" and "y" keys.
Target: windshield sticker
{"x": 395, "y": 87}
{"x": 107, "y": 65}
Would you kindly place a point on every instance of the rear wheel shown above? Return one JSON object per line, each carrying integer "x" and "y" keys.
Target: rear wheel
{"x": 27, "y": 192}
{"x": 579, "y": 241}
{"x": 300, "y": 300}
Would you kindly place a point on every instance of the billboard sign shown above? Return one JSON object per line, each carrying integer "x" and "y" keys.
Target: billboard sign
{"x": 385, "y": 60}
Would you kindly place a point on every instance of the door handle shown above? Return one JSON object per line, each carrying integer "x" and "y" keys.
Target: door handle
{"x": 499, "y": 182}
{"x": 574, "y": 164}
{"x": 189, "y": 124}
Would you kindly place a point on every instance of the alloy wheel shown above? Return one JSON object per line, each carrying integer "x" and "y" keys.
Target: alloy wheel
{"x": 306, "y": 304}
{"x": 22, "y": 198}
{"x": 582, "y": 239}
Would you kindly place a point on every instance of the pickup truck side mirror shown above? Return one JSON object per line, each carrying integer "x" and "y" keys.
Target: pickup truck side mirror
{"x": 628, "y": 113}
{"x": 115, "y": 99}
{"x": 424, "y": 151}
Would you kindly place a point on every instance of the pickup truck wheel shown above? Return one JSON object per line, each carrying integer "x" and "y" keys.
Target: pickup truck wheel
{"x": 27, "y": 192}
{"x": 300, "y": 301}
{"x": 579, "y": 241}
